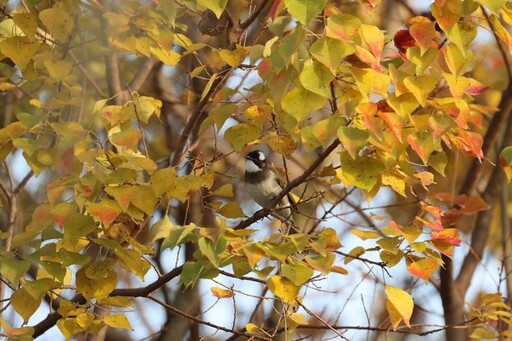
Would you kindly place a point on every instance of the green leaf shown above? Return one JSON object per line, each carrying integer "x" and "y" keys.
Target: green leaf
{"x": 212, "y": 249}
{"x": 78, "y": 226}
{"x": 342, "y": 26}
{"x": 117, "y": 321}
{"x": 353, "y": 139}
{"x": 316, "y": 78}
{"x": 330, "y": 52}
{"x": 241, "y": 134}
{"x": 13, "y": 269}
{"x": 38, "y": 288}
{"x": 24, "y": 304}
{"x": 298, "y": 274}
{"x": 362, "y": 172}
{"x": 299, "y": 103}
{"x": 305, "y": 10}
{"x": 191, "y": 273}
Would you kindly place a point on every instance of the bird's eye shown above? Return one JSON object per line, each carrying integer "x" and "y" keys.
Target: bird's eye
{"x": 261, "y": 156}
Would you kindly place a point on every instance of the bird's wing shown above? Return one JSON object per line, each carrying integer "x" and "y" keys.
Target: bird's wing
{"x": 289, "y": 195}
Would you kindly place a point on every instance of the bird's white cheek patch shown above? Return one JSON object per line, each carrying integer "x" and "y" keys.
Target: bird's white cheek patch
{"x": 251, "y": 167}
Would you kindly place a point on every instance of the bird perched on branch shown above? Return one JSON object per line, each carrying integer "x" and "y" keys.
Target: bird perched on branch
{"x": 263, "y": 184}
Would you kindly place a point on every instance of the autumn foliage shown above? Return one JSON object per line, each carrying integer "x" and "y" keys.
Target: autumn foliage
{"x": 125, "y": 126}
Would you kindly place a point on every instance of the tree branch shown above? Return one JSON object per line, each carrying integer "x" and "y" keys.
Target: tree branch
{"x": 142, "y": 74}
{"x": 52, "y": 318}
{"x": 254, "y": 15}
{"x": 205, "y": 323}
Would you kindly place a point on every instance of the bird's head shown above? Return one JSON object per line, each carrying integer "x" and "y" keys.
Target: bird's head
{"x": 255, "y": 161}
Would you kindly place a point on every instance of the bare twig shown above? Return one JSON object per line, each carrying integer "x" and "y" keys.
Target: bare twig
{"x": 202, "y": 322}
{"x": 142, "y": 74}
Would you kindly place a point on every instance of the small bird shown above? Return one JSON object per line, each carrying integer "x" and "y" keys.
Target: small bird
{"x": 263, "y": 183}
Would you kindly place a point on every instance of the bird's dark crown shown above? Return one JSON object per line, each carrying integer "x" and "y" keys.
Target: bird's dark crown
{"x": 257, "y": 157}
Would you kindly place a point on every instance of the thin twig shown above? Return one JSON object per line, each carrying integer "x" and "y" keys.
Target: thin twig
{"x": 202, "y": 322}
{"x": 321, "y": 320}
{"x": 142, "y": 74}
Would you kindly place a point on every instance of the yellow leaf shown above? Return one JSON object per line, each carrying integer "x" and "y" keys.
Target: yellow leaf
{"x": 19, "y": 49}
{"x": 118, "y": 321}
{"x": 221, "y": 293}
{"x": 353, "y": 139}
{"x": 399, "y": 305}
{"x": 232, "y": 210}
{"x": 27, "y": 22}
{"x": 24, "y": 304}
{"x": 58, "y": 22}
{"x": 252, "y": 328}
{"x": 58, "y": 69}
{"x": 420, "y": 86}
{"x": 300, "y": 102}
{"x": 280, "y": 143}
{"x": 283, "y": 288}
{"x": 95, "y": 287}
{"x": 233, "y": 57}
{"x": 365, "y": 234}
{"x": 168, "y": 57}
{"x": 225, "y": 191}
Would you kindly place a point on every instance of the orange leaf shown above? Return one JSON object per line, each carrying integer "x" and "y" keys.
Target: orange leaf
{"x": 450, "y": 235}
{"x": 424, "y": 268}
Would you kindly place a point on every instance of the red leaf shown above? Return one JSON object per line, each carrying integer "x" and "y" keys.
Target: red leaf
{"x": 403, "y": 40}
{"x": 475, "y": 88}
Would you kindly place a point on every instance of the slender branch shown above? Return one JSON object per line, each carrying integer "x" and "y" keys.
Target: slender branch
{"x": 476, "y": 170}
{"x": 399, "y": 330}
{"x": 51, "y": 319}
{"x": 202, "y": 322}
{"x": 291, "y": 185}
{"x": 23, "y": 182}
{"x": 321, "y": 320}
{"x": 142, "y": 74}
{"x": 145, "y": 291}
{"x": 244, "y": 278}
{"x": 87, "y": 75}
{"x": 195, "y": 118}
{"x": 499, "y": 43}
{"x": 254, "y": 15}
{"x": 506, "y": 232}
